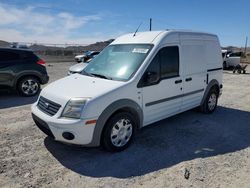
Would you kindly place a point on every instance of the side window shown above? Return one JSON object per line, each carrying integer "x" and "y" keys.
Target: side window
{"x": 8, "y": 56}
{"x": 164, "y": 65}
{"x": 169, "y": 57}
{"x": 152, "y": 74}
{"x": 154, "y": 66}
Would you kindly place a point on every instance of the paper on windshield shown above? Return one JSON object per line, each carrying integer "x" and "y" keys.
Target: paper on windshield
{"x": 140, "y": 50}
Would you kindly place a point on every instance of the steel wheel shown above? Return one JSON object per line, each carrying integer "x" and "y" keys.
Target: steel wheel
{"x": 212, "y": 101}
{"x": 121, "y": 132}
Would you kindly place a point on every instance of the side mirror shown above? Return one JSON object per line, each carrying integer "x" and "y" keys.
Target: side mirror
{"x": 151, "y": 77}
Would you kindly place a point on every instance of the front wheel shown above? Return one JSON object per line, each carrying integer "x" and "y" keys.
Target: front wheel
{"x": 210, "y": 103}
{"x": 118, "y": 132}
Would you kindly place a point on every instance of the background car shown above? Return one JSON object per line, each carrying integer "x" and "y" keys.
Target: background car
{"x": 232, "y": 60}
{"x": 79, "y": 67}
{"x": 17, "y": 45}
{"x": 22, "y": 70}
{"x": 86, "y": 56}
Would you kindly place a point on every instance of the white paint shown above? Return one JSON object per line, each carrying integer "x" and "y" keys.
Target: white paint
{"x": 198, "y": 53}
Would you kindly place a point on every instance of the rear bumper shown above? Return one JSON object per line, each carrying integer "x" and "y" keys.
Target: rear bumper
{"x": 221, "y": 87}
{"x": 44, "y": 79}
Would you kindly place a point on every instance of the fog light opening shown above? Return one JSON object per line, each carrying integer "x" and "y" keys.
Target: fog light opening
{"x": 68, "y": 136}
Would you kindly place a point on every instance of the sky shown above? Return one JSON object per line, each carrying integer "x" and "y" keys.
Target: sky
{"x": 89, "y": 21}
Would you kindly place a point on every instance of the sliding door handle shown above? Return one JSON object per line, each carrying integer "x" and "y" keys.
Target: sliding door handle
{"x": 188, "y": 79}
{"x": 178, "y": 81}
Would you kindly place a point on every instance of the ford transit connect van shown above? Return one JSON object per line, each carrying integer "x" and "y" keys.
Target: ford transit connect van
{"x": 135, "y": 81}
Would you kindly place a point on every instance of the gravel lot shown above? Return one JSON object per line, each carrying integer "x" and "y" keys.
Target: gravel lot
{"x": 188, "y": 150}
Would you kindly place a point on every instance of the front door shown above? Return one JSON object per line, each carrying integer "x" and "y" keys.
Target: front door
{"x": 162, "y": 86}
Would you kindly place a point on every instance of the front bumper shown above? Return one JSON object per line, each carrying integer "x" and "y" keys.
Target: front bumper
{"x": 55, "y": 127}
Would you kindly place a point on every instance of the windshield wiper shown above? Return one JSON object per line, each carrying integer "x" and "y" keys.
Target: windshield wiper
{"x": 96, "y": 75}
{"x": 88, "y": 74}
{"x": 101, "y": 76}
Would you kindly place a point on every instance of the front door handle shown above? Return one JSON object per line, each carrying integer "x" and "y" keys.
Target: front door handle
{"x": 188, "y": 79}
{"x": 177, "y": 81}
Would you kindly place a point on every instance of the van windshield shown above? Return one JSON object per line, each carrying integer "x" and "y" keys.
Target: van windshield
{"x": 118, "y": 62}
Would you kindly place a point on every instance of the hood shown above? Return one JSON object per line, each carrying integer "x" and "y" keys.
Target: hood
{"x": 77, "y": 85}
{"x": 78, "y": 67}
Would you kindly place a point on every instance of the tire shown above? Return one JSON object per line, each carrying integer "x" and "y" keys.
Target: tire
{"x": 224, "y": 65}
{"x": 118, "y": 132}
{"x": 28, "y": 86}
{"x": 244, "y": 71}
{"x": 210, "y": 103}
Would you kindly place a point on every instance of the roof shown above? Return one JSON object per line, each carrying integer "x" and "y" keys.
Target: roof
{"x": 152, "y": 36}
{"x": 140, "y": 37}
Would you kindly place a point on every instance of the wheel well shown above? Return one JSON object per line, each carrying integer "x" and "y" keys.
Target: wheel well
{"x": 124, "y": 109}
{"x": 132, "y": 112}
{"x": 27, "y": 75}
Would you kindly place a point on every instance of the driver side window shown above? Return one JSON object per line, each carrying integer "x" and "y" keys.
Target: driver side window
{"x": 164, "y": 65}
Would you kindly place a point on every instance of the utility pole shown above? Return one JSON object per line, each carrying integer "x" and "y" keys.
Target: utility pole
{"x": 246, "y": 45}
{"x": 150, "y": 24}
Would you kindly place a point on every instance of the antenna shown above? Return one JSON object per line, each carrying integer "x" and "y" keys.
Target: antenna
{"x": 150, "y": 24}
{"x": 137, "y": 29}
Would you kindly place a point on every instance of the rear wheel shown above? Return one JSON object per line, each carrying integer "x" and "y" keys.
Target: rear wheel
{"x": 224, "y": 65}
{"x": 210, "y": 103}
{"x": 118, "y": 132}
{"x": 28, "y": 86}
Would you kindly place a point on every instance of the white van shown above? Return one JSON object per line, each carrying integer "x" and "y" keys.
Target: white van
{"x": 135, "y": 81}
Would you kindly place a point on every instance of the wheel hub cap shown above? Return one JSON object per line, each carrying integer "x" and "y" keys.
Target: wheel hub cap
{"x": 29, "y": 87}
{"x": 212, "y": 102}
{"x": 121, "y": 132}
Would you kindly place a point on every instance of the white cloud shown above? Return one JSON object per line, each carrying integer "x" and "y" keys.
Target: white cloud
{"x": 29, "y": 25}
{"x": 71, "y": 22}
{"x": 12, "y": 35}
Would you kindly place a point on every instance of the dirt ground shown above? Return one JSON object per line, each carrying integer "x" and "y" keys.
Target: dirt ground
{"x": 188, "y": 150}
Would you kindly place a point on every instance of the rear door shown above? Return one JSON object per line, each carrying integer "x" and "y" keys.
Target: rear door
{"x": 162, "y": 85}
{"x": 8, "y": 61}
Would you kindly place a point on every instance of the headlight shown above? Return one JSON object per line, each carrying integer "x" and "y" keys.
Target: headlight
{"x": 73, "y": 108}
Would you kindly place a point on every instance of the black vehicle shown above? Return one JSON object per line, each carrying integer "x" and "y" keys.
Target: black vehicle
{"x": 22, "y": 70}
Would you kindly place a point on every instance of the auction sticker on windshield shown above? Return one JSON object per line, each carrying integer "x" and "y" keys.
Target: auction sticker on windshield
{"x": 140, "y": 50}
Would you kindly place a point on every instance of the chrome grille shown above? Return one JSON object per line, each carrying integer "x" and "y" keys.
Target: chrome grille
{"x": 47, "y": 106}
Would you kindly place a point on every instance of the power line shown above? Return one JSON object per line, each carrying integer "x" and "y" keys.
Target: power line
{"x": 246, "y": 45}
